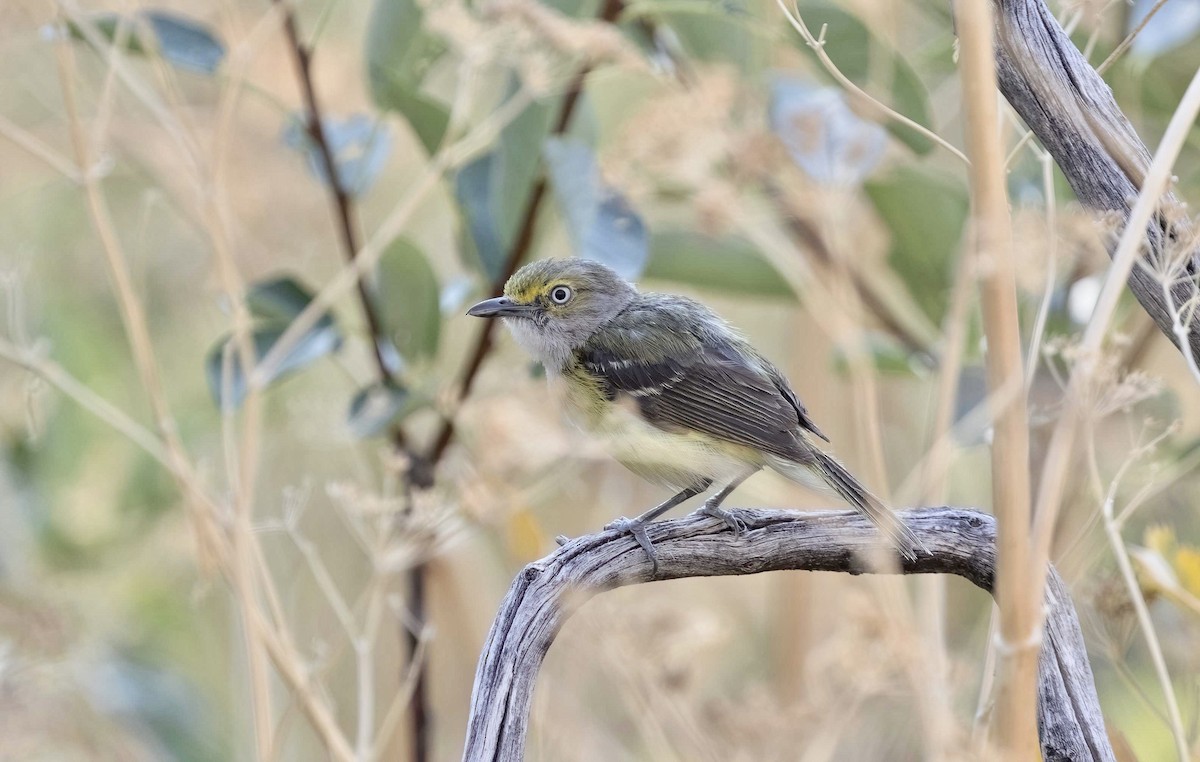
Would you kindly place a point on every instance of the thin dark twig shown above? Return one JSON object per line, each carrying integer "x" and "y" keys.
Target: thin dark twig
{"x": 520, "y": 250}
{"x": 483, "y": 345}
{"x": 314, "y": 125}
{"x": 344, "y": 212}
{"x": 807, "y": 237}
{"x": 419, "y": 706}
{"x": 421, "y": 469}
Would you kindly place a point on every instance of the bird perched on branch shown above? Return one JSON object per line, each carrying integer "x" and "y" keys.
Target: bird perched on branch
{"x": 678, "y": 396}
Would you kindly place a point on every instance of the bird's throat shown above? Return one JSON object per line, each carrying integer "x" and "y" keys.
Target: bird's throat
{"x": 546, "y": 346}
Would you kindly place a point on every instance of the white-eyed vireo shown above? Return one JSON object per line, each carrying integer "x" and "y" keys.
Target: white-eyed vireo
{"x": 677, "y": 395}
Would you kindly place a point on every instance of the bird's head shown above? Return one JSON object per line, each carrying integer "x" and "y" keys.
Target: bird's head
{"x": 555, "y": 305}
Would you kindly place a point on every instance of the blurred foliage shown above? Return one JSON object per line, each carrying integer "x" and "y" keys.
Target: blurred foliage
{"x": 730, "y": 264}
{"x": 925, "y": 214}
{"x": 709, "y": 152}
{"x": 494, "y": 189}
{"x": 408, "y": 298}
{"x": 854, "y": 50}
{"x": 399, "y": 53}
{"x": 360, "y": 147}
{"x": 179, "y": 40}
{"x": 274, "y": 304}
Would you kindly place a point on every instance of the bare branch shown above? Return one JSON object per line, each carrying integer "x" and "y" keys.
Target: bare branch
{"x": 961, "y": 542}
{"x": 1069, "y": 107}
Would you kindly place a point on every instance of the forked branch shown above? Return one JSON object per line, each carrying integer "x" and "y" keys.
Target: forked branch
{"x": 961, "y": 542}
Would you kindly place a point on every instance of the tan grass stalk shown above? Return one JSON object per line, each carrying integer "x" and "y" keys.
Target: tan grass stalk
{"x": 85, "y": 23}
{"x": 133, "y": 316}
{"x": 1125, "y": 258}
{"x": 1129, "y": 38}
{"x": 835, "y": 307}
{"x": 931, "y": 693}
{"x": 1113, "y": 525}
{"x": 35, "y": 147}
{"x": 1039, "y": 324}
{"x": 1019, "y": 620}
{"x": 137, "y": 330}
{"x": 858, "y": 95}
{"x": 245, "y": 576}
{"x": 931, "y": 591}
{"x": 84, "y": 396}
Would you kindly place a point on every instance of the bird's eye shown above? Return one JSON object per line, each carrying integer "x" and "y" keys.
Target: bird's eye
{"x": 560, "y": 294}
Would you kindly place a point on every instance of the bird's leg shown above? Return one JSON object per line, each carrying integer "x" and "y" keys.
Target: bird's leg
{"x": 637, "y": 526}
{"x": 712, "y": 506}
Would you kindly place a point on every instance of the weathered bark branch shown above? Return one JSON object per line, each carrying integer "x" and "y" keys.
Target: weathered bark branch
{"x": 961, "y": 542}
{"x": 1072, "y": 111}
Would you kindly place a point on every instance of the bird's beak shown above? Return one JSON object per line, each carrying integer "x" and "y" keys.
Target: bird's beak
{"x": 501, "y": 306}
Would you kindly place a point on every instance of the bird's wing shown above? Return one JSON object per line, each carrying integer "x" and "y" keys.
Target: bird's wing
{"x": 681, "y": 381}
{"x": 785, "y": 389}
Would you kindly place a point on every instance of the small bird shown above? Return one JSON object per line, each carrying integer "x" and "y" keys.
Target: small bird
{"x": 676, "y": 394}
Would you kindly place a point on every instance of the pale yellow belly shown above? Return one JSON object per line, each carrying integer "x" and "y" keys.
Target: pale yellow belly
{"x": 673, "y": 459}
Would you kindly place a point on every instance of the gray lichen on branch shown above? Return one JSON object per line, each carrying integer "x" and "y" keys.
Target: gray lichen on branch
{"x": 960, "y": 542}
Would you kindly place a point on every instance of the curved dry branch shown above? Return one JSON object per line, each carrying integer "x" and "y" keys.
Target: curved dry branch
{"x": 1071, "y": 109}
{"x": 961, "y": 542}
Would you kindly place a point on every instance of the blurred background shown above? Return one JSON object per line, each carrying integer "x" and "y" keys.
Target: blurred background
{"x": 198, "y": 563}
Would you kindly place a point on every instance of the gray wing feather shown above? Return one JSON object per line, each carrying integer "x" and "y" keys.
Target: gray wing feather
{"x": 801, "y": 412}
{"x": 699, "y": 383}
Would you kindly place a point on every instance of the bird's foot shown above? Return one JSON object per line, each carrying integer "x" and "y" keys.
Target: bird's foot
{"x": 637, "y": 528}
{"x": 736, "y": 525}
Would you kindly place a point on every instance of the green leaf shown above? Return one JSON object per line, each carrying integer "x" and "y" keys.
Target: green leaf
{"x": 710, "y": 30}
{"x": 602, "y": 224}
{"x": 360, "y": 146}
{"x": 474, "y": 189}
{"x": 408, "y": 297}
{"x": 278, "y": 300}
{"x": 925, "y": 214}
{"x": 851, "y": 46}
{"x": 574, "y": 8}
{"x": 319, "y": 341}
{"x": 182, "y": 42}
{"x": 274, "y": 303}
{"x": 425, "y": 114}
{"x": 375, "y": 408}
{"x": 911, "y": 99}
{"x": 885, "y": 353}
{"x": 111, "y": 28}
{"x": 399, "y": 52}
{"x": 520, "y": 154}
{"x": 727, "y": 264}
{"x": 494, "y": 189}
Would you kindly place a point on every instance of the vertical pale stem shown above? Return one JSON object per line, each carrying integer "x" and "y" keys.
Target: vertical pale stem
{"x": 1016, "y": 730}
{"x": 137, "y": 328}
{"x": 1129, "y": 249}
{"x": 931, "y": 590}
{"x": 891, "y": 592}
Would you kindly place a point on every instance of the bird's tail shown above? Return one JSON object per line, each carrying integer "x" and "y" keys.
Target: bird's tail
{"x": 851, "y": 490}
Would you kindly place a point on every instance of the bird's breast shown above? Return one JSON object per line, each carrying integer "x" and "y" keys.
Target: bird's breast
{"x": 671, "y": 457}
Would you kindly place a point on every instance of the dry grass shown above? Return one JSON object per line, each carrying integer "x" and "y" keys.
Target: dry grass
{"x": 174, "y": 581}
